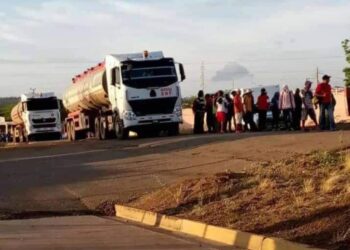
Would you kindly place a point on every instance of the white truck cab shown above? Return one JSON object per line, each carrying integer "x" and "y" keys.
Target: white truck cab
{"x": 144, "y": 90}
{"x": 37, "y": 115}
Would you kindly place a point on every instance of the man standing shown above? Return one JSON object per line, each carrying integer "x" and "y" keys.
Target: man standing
{"x": 198, "y": 109}
{"x": 307, "y": 105}
{"x": 297, "y": 111}
{"x": 324, "y": 94}
{"x": 238, "y": 109}
{"x": 209, "y": 111}
{"x": 262, "y": 105}
{"x": 248, "y": 108}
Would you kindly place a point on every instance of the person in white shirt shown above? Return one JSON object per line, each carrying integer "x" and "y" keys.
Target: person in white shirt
{"x": 221, "y": 110}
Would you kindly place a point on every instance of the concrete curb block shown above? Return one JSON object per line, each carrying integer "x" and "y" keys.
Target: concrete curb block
{"x": 209, "y": 232}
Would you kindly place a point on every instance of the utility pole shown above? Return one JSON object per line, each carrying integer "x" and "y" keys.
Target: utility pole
{"x": 317, "y": 73}
{"x": 202, "y": 76}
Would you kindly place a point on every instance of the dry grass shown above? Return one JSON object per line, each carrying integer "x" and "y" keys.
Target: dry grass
{"x": 309, "y": 186}
{"x": 266, "y": 183}
{"x": 347, "y": 163}
{"x": 305, "y": 199}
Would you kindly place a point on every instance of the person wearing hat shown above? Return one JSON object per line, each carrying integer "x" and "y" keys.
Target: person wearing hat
{"x": 262, "y": 106}
{"x": 248, "y": 109}
{"x": 307, "y": 105}
{"x": 324, "y": 94}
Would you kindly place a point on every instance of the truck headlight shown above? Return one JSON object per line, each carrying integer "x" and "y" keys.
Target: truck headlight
{"x": 129, "y": 115}
{"x": 178, "y": 111}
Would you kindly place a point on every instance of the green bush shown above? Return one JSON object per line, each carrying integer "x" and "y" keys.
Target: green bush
{"x": 5, "y": 110}
{"x": 346, "y": 47}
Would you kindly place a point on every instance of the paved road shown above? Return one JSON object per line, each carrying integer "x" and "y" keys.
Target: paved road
{"x": 90, "y": 232}
{"x": 66, "y": 177}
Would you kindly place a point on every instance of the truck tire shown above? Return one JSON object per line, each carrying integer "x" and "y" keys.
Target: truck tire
{"x": 69, "y": 134}
{"x": 21, "y": 137}
{"x": 72, "y": 130}
{"x": 97, "y": 128}
{"x": 103, "y": 128}
{"x": 120, "y": 132}
{"x": 174, "y": 129}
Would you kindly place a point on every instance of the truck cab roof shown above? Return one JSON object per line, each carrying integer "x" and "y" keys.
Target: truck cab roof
{"x": 26, "y": 97}
{"x": 152, "y": 55}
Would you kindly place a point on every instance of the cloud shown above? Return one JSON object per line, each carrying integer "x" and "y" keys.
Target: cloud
{"x": 230, "y": 72}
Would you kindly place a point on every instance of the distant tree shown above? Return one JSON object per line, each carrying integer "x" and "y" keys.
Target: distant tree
{"x": 188, "y": 101}
{"x": 346, "y": 70}
{"x": 5, "y": 110}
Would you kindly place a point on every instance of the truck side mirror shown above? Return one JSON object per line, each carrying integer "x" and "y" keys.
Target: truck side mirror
{"x": 182, "y": 72}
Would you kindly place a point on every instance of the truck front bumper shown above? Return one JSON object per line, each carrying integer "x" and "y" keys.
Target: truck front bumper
{"x": 152, "y": 120}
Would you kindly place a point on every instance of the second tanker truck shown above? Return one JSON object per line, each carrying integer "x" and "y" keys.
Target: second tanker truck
{"x": 137, "y": 92}
{"x": 37, "y": 115}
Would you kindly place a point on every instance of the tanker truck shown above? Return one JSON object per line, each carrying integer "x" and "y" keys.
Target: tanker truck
{"x": 36, "y": 116}
{"x": 138, "y": 92}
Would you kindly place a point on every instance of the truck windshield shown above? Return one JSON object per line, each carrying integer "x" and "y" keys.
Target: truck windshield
{"x": 152, "y": 73}
{"x": 42, "y": 104}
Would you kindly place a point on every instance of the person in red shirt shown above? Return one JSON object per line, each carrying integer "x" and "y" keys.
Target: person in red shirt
{"x": 238, "y": 110}
{"x": 324, "y": 94}
{"x": 262, "y": 106}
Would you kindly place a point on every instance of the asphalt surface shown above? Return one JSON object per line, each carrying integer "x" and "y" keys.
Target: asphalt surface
{"x": 91, "y": 232}
{"x": 63, "y": 177}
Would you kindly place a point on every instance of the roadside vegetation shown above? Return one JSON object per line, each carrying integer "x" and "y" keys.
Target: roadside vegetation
{"x": 6, "y": 104}
{"x": 187, "y": 102}
{"x": 305, "y": 199}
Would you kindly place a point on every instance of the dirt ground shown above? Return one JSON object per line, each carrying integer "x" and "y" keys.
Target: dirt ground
{"x": 305, "y": 198}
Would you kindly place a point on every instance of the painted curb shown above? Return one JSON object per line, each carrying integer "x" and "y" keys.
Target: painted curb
{"x": 222, "y": 235}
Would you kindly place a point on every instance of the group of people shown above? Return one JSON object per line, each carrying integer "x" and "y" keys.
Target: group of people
{"x": 235, "y": 111}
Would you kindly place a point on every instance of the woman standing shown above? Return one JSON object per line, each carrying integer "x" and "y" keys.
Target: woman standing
{"x": 287, "y": 105}
{"x": 221, "y": 110}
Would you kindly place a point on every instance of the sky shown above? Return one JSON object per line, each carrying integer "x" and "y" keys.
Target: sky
{"x": 228, "y": 43}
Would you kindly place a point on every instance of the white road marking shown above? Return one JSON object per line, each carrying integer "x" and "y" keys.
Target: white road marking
{"x": 51, "y": 156}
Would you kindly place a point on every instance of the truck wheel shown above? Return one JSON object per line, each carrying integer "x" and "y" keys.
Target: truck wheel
{"x": 97, "y": 128}
{"x": 21, "y": 137}
{"x": 103, "y": 129}
{"x": 174, "y": 129}
{"x": 69, "y": 135}
{"x": 30, "y": 138}
{"x": 72, "y": 131}
{"x": 120, "y": 132}
{"x": 25, "y": 137}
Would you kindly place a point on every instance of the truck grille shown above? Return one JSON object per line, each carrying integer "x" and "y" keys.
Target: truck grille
{"x": 153, "y": 106}
{"x": 44, "y": 120}
{"x": 44, "y": 126}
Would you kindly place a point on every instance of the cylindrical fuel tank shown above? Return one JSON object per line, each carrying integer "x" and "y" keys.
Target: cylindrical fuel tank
{"x": 16, "y": 114}
{"x": 88, "y": 91}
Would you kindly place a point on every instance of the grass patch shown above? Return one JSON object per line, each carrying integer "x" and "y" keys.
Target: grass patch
{"x": 304, "y": 198}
